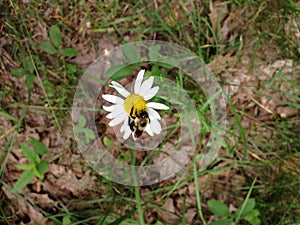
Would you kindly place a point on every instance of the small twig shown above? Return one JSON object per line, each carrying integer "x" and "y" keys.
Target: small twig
{"x": 262, "y": 106}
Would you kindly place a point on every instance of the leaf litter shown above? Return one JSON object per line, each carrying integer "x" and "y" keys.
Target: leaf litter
{"x": 68, "y": 177}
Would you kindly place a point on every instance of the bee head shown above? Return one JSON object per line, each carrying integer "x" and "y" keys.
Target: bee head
{"x": 143, "y": 119}
{"x": 143, "y": 122}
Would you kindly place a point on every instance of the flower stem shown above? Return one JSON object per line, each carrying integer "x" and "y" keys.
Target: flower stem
{"x": 136, "y": 188}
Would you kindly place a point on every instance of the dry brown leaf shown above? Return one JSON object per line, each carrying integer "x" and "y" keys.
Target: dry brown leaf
{"x": 286, "y": 111}
{"x": 168, "y": 215}
{"x": 218, "y": 11}
{"x": 24, "y": 205}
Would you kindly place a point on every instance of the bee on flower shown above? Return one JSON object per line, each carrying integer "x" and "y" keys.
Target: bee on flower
{"x": 133, "y": 110}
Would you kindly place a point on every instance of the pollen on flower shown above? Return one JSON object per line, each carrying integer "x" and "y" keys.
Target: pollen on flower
{"x": 134, "y": 100}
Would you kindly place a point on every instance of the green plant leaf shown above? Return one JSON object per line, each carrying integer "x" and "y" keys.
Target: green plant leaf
{"x": 38, "y": 146}
{"x": 159, "y": 223}
{"x": 107, "y": 142}
{"x": 168, "y": 63}
{"x": 47, "y": 47}
{"x": 66, "y": 220}
{"x": 214, "y": 172}
{"x": 25, "y": 178}
{"x": 55, "y": 35}
{"x": 89, "y": 134}
{"x": 18, "y": 72}
{"x": 155, "y": 71}
{"x": 43, "y": 167}
{"x": 71, "y": 68}
{"x": 222, "y": 222}
{"x": 154, "y": 54}
{"x": 5, "y": 115}
{"x": 68, "y": 52}
{"x": 29, "y": 64}
{"x": 253, "y": 217}
{"x": 37, "y": 173}
{"x": 119, "y": 72}
{"x": 124, "y": 155}
{"x": 29, "y": 80}
{"x": 81, "y": 121}
{"x": 130, "y": 53}
{"x": 30, "y": 154}
{"x": 25, "y": 167}
{"x": 218, "y": 208}
{"x": 245, "y": 208}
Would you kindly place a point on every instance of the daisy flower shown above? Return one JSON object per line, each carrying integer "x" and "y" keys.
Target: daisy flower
{"x": 133, "y": 110}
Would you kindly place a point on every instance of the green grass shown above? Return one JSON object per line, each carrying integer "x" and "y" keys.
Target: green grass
{"x": 266, "y": 162}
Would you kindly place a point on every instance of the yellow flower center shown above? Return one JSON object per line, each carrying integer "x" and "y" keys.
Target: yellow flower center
{"x": 136, "y": 102}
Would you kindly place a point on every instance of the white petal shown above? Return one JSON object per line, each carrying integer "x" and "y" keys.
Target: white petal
{"x": 155, "y": 126}
{"x": 117, "y": 120}
{"x": 126, "y": 133}
{"x": 122, "y": 129}
{"x": 119, "y": 88}
{"x": 115, "y": 109}
{"x": 151, "y": 93}
{"x": 145, "y": 87}
{"x": 113, "y": 99}
{"x": 153, "y": 113}
{"x": 156, "y": 105}
{"x": 133, "y": 136}
{"x": 118, "y": 109}
{"x": 138, "y": 81}
{"x": 108, "y": 108}
{"x": 148, "y": 130}
{"x": 109, "y": 116}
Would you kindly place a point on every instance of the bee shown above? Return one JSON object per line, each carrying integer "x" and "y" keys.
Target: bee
{"x": 138, "y": 121}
